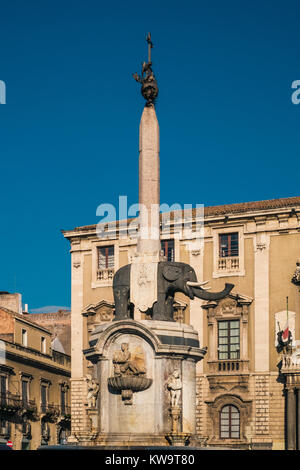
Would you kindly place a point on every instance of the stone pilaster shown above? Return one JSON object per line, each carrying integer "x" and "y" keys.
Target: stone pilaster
{"x": 291, "y": 418}
{"x": 261, "y": 306}
{"x": 261, "y": 439}
{"x": 196, "y": 312}
{"x": 76, "y": 311}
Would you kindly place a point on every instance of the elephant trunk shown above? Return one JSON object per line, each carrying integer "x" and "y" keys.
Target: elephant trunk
{"x": 203, "y": 294}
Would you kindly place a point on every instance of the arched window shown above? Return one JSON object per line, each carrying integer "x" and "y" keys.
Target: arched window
{"x": 229, "y": 422}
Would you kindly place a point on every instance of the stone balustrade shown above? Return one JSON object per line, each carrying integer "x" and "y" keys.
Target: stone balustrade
{"x": 105, "y": 274}
{"x": 230, "y": 263}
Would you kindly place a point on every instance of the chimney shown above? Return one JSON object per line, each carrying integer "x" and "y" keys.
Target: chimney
{"x": 11, "y": 301}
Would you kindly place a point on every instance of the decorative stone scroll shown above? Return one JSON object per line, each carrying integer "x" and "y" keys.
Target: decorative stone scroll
{"x": 129, "y": 374}
{"x": 296, "y": 276}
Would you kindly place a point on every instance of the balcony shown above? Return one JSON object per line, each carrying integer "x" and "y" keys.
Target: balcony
{"x": 64, "y": 413}
{"x": 228, "y": 366}
{"x": 28, "y": 407}
{"x": 49, "y": 411}
{"x": 61, "y": 358}
{"x": 229, "y": 264}
{"x": 291, "y": 362}
{"x": 10, "y": 402}
{"x": 228, "y": 374}
{"x": 105, "y": 274}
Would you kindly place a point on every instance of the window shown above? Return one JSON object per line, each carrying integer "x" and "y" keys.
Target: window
{"x": 229, "y": 422}
{"x": 3, "y": 387}
{"x": 228, "y": 245}
{"x": 3, "y": 427}
{"x": 105, "y": 263}
{"x": 229, "y": 339}
{"x": 167, "y": 246}
{"x": 228, "y": 250}
{"x": 63, "y": 400}
{"x": 63, "y": 436}
{"x": 24, "y": 338}
{"x": 24, "y": 392}
{"x": 45, "y": 432}
{"x": 43, "y": 344}
{"x": 44, "y": 398}
{"x": 105, "y": 257}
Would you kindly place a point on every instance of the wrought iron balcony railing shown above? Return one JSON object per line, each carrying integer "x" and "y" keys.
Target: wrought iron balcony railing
{"x": 10, "y": 402}
{"x": 65, "y": 411}
{"x": 49, "y": 409}
{"x": 29, "y": 405}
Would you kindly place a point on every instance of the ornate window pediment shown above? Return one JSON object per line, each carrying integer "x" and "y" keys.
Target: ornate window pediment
{"x": 228, "y": 251}
{"x": 101, "y": 312}
{"x": 217, "y": 406}
{"x": 228, "y": 334}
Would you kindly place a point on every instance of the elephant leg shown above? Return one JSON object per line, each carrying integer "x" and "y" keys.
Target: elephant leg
{"x": 163, "y": 308}
{"x": 121, "y": 297}
{"x": 169, "y": 309}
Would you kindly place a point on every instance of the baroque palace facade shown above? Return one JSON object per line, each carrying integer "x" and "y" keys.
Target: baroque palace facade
{"x": 34, "y": 380}
{"x": 247, "y": 392}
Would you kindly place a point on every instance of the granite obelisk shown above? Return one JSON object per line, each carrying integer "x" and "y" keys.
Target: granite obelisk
{"x": 143, "y": 285}
{"x": 149, "y": 190}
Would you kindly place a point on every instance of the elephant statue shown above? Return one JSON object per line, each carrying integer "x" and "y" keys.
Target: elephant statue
{"x": 172, "y": 277}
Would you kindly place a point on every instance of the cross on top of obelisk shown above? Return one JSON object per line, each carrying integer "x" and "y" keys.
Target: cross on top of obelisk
{"x": 150, "y": 45}
{"x": 149, "y": 88}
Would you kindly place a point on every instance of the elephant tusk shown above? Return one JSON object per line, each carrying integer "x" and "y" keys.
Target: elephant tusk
{"x": 196, "y": 284}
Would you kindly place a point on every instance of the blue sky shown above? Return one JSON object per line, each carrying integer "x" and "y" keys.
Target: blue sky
{"x": 69, "y": 130}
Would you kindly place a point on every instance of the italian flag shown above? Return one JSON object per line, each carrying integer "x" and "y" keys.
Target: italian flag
{"x": 285, "y": 332}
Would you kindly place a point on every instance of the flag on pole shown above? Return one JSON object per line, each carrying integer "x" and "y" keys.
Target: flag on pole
{"x": 286, "y": 330}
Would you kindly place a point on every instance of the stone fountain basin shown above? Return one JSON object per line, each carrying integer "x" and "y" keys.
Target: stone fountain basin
{"x": 130, "y": 382}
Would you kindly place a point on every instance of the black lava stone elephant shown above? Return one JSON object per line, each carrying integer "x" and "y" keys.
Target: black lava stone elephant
{"x": 171, "y": 278}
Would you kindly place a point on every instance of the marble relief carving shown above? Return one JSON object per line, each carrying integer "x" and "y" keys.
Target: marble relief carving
{"x": 129, "y": 373}
{"x": 174, "y": 384}
{"x": 93, "y": 390}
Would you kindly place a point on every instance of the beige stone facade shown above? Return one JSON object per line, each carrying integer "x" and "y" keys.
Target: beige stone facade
{"x": 252, "y": 245}
{"x": 34, "y": 384}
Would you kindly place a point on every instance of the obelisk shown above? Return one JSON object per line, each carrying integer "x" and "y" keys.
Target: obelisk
{"x": 143, "y": 284}
{"x": 149, "y": 190}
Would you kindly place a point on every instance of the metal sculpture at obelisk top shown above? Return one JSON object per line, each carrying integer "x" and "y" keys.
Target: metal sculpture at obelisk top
{"x": 149, "y": 283}
{"x": 147, "y": 79}
{"x": 144, "y": 361}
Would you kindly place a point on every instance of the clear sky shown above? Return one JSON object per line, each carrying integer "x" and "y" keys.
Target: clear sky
{"x": 69, "y": 130}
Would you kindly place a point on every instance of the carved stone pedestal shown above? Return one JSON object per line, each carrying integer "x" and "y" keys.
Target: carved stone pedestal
{"x": 93, "y": 414}
{"x": 175, "y": 413}
{"x": 146, "y": 372}
{"x": 176, "y": 437}
{"x": 179, "y": 439}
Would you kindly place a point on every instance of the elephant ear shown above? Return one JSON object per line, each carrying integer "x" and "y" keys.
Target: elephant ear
{"x": 171, "y": 273}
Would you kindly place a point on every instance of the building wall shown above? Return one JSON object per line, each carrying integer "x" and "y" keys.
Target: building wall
{"x": 30, "y": 364}
{"x": 269, "y": 240}
{"x": 34, "y": 335}
{"x": 11, "y": 301}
